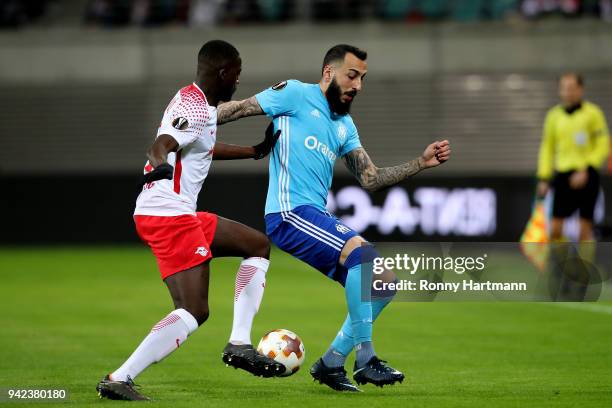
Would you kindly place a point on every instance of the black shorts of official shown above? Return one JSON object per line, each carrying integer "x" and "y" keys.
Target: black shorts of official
{"x": 567, "y": 200}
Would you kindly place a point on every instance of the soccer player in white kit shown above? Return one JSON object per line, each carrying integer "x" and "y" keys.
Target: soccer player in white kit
{"x": 184, "y": 240}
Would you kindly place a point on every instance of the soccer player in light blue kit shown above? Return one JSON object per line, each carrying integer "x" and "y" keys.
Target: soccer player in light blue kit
{"x": 316, "y": 129}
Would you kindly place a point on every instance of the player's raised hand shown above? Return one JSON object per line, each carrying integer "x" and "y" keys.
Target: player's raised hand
{"x": 264, "y": 148}
{"x": 436, "y": 154}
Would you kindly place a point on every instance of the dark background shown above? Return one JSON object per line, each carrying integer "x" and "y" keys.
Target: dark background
{"x": 98, "y": 208}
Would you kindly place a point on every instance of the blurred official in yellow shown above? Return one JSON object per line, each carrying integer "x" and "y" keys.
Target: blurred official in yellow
{"x": 575, "y": 145}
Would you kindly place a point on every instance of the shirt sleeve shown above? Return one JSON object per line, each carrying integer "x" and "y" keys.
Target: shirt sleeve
{"x": 184, "y": 120}
{"x": 352, "y": 140}
{"x": 281, "y": 99}
{"x": 601, "y": 137}
{"x": 547, "y": 149}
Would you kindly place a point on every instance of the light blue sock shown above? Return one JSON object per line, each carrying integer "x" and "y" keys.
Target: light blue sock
{"x": 378, "y": 306}
{"x": 357, "y": 327}
{"x": 360, "y": 310}
{"x": 344, "y": 341}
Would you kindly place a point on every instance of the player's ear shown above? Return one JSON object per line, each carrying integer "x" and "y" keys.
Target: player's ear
{"x": 328, "y": 73}
{"x": 222, "y": 74}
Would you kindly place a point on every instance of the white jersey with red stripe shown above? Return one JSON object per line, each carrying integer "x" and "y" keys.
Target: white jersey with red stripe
{"x": 193, "y": 123}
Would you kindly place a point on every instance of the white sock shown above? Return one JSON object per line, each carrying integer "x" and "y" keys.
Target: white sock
{"x": 250, "y": 285}
{"x": 165, "y": 337}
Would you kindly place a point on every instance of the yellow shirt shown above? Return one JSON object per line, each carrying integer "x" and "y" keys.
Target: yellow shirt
{"x": 573, "y": 141}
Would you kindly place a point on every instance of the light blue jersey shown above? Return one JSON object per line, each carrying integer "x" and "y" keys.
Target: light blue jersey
{"x": 312, "y": 138}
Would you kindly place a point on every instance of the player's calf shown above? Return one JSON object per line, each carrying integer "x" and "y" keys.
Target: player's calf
{"x": 199, "y": 312}
{"x": 189, "y": 291}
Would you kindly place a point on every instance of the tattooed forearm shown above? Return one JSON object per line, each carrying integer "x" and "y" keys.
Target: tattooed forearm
{"x": 388, "y": 176}
{"x": 234, "y": 110}
{"x": 373, "y": 178}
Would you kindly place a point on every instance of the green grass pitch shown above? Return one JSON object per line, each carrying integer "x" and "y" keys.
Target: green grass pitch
{"x": 72, "y": 314}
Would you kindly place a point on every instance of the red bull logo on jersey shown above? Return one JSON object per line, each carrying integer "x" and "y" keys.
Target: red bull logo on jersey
{"x": 201, "y": 251}
{"x": 312, "y": 143}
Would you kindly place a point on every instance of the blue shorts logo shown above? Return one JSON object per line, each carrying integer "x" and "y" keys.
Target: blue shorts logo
{"x": 343, "y": 229}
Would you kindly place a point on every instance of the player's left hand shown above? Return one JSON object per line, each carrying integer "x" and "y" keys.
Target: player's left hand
{"x": 264, "y": 148}
{"x": 161, "y": 172}
{"x": 435, "y": 154}
{"x": 579, "y": 179}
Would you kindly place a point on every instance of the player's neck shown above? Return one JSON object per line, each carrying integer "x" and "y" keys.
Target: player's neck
{"x": 209, "y": 92}
{"x": 323, "y": 87}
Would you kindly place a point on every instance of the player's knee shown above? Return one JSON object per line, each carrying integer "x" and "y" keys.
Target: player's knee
{"x": 350, "y": 246}
{"x": 262, "y": 247}
{"x": 362, "y": 254}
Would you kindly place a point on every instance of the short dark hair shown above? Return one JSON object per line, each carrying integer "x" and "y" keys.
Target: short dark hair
{"x": 217, "y": 54}
{"x": 579, "y": 78}
{"x": 338, "y": 52}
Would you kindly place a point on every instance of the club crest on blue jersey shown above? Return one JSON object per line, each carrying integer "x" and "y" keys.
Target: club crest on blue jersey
{"x": 341, "y": 132}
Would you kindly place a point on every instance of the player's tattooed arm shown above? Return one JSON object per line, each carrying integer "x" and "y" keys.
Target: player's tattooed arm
{"x": 374, "y": 178}
{"x": 234, "y": 110}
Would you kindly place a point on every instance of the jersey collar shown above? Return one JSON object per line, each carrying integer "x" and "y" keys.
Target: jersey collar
{"x": 571, "y": 109}
{"x": 198, "y": 88}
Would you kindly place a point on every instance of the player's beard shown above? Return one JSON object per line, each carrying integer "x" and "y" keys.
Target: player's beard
{"x": 333, "y": 96}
